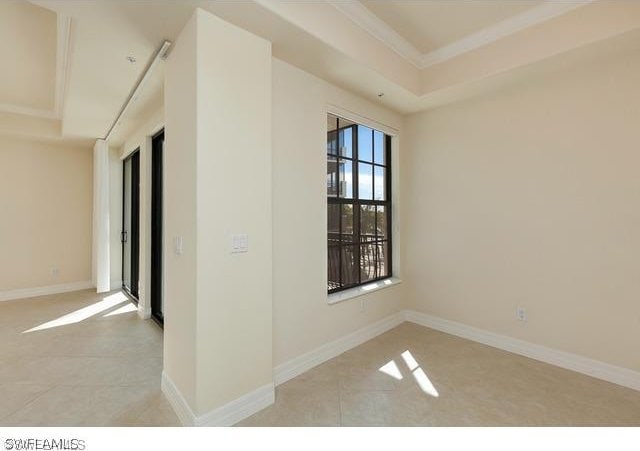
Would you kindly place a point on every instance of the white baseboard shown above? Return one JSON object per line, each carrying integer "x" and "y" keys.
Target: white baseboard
{"x": 594, "y": 368}
{"x": 226, "y": 415}
{"x": 240, "y": 408}
{"x": 245, "y": 406}
{"x": 303, "y": 363}
{"x": 262, "y": 397}
{"x": 23, "y": 293}
{"x": 252, "y": 402}
{"x": 177, "y": 401}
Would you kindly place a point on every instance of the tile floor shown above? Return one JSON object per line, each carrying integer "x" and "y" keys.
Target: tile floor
{"x": 80, "y": 359}
{"x": 414, "y": 376}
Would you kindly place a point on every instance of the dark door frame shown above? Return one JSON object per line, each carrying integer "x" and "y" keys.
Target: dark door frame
{"x": 134, "y": 234}
{"x": 157, "y": 147}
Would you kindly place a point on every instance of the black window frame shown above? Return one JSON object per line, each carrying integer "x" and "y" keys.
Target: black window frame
{"x": 355, "y": 241}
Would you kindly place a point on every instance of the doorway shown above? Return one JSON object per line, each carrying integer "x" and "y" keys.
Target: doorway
{"x": 131, "y": 224}
{"x": 157, "y": 299}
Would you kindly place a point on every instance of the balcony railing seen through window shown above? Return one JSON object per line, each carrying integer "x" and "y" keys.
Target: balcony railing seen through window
{"x": 359, "y": 204}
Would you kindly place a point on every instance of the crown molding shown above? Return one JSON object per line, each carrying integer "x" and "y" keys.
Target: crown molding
{"x": 502, "y": 29}
{"x": 375, "y": 26}
{"x": 63, "y": 46}
{"x": 27, "y": 111}
{"x": 379, "y": 29}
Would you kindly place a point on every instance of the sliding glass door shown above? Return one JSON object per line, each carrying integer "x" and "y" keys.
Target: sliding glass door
{"x": 157, "y": 304}
{"x": 131, "y": 224}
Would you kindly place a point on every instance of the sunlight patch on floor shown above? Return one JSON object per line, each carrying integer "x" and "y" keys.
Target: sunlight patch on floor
{"x": 419, "y": 375}
{"x": 424, "y": 383}
{"x": 409, "y": 360}
{"x": 391, "y": 368}
{"x": 83, "y": 313}
{"x": 127, "y": 308}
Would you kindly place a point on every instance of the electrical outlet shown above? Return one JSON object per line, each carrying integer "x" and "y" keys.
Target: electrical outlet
{"x": 521, "y": 314}
{"x": 55, "y": 272}
{"x": 362, "y": 305}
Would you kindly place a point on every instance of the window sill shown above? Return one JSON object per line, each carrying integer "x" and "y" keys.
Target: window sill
{"x": 351, "y": 293}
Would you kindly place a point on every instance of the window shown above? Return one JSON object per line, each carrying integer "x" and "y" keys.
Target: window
{"x": 359, "y": 204}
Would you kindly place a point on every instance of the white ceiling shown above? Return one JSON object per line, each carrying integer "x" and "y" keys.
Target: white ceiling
{"x": 70, "y": 75}
{"x": 101, "y": 77}
{"x": 28, "y": 45}
{"x": 431, "y": 24}
{"x": 428, "y": 32}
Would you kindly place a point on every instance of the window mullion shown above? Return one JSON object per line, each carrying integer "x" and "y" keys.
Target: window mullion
{"x": 388, "y": 208}
{"x": 340, "y": 282}
{"x": 375, "y": 208}
{"x": 356, "y": 202}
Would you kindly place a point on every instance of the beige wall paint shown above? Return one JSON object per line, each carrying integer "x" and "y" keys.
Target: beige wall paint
{"x": 180, "y": 213}
{"x": 218, "y": 308}
{"x": 45, "y": 206}
{"x": 303, "y": 320}
{"x": 234, "y": 317}
{"x": 530, "y": 197}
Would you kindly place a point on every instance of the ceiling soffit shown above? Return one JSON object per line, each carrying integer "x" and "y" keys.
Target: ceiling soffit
{"x": 62, "y": 61}
{"x": 375, "y": 26}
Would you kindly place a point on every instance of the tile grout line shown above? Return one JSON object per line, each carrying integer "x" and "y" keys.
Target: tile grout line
{"x": 98, "y": 327}
{"x": 30, "y": 401}
{"x": 154, "y": 405}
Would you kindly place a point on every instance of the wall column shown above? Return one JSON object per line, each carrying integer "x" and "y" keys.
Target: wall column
{"x": 101, "y": 270}
{"x": 218, "y": 223}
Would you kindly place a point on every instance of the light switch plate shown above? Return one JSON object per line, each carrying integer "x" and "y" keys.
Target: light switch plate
{"x": 177, "y": 245}
{"x": 239, "y": 243}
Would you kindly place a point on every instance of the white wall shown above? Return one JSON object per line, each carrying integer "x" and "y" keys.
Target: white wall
{"x": 180, "y": 276}
{"x": 115, "y": 217}
{"x": 530, "y": 197}
{"x": 303, "y": 320}
{"x": 45, "y": 210}
{"x": 233, "y": 196}
{"x": 218, "y": 321}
